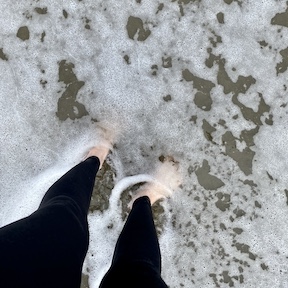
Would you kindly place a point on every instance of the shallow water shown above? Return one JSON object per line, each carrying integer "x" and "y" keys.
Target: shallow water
{"x": 204, "y": 81}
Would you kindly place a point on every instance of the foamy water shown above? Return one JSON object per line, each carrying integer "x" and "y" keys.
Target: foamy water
{"x": 203, "y": 81}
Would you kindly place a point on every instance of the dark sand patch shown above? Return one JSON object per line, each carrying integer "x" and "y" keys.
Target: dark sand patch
{"x": 205, "y": 179}
{"x": 243, "y": 158}
{"x": 3, "y": 56}
{"x": 283, "y": 65}
{"x": 135, "y": 26}
{"x": 280, "y": 19}
{"x": 223, "y": 203}
{"x": 208, "y": 130}
{"x": 68, "y": 106}
{"x": 41, "y": 11}
{"x": 23, "y": 33}
{"x": 220, "y": 17}
{"x": 202, "y": 98}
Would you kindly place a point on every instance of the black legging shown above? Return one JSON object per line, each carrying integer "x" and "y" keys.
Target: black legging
{"x": 47, "y": 248}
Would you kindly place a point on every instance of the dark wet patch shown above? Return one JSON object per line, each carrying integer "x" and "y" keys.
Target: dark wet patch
{"x": 160, "y": 8}
{"x": 127, "y": 59}
{"x": 3, "y": 56}
{"x": 269, "y": 120}
{"x": 209, "y": 62}
{"x": 219, "y": 249}
{"x": 214, "y": 277}
{"x": 286, "y": 193}
{"x": 154, "y": 69}
{"x": 283, "y": 65}
{"x": 222, "y": 123}
{"x": 126, "y": 198}
{"x": 264, "y": 267}
{"x": 239, "y": 212}
{"x": 27, "y": 15}
{"x": 241, "y": 86}
{"x": 159, "y": 217}
{"x": 249, "y": 114}
{"x": 84, "y": 281}
{"x": 224, "y": 277}
{"x": 239, "y": 2}
{"x": 243, "y": 158}
{"x": 190, "y": 170}
{"x": 166, "y": 62}
{"x": 65, "y": 14}
{"x": 187, "y": 1}
{"x": 252, "y": 185}
{"x": 181, "y": 4}
{"x": 193, "y": 119}
{"x": 269, "y": 176}
{"x": 280, "y": 19}
{"x": 202, "y": 98}
{"x": 257, "y": 205}
{"x": 215, "y": 40}
{"x": 167, "y": 98}
{"x": 23, "y": 33}
{"x": 227, "y": 279}
{"x": 208, "y": 130}
{"x": 207, "y": 180}
{"x": 41, "y": 11}
{"x": 223, "y": 203}
{"x": 43, "y": 83}
{"x": 263, "y": 43}
{"x": 104, "y": 184}
{"x": 43, "y": 36}
{"x": 87, "y": 23}
{"x": 238, "y": 231}
{"x": 135, "y": 26}
{"x": 248, "y": 136}
{"x": 244, "y": 248}
{"x": 220, "y": 17}
{"x": 68, "y": 106}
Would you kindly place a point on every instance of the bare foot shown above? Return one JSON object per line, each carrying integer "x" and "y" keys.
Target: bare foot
{"x": 167, "y": 179}
{"x": 150, "y": 190}
{"x": 107, "y": 135}
{"x": 100, "y": 151}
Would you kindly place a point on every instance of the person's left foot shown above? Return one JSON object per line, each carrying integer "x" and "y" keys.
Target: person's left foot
{"x": 100, "y": 151}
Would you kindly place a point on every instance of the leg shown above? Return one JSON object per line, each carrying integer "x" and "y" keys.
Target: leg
{"x": 77, "y": 185}
{"x": 137, "y": 260}
{"x": 47, "y": 249}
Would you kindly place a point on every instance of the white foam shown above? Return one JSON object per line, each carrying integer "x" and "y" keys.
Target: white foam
{"x": 36, "y": 148}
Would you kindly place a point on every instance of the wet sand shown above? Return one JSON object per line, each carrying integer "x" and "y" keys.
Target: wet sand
{"x": 201, "y": 81}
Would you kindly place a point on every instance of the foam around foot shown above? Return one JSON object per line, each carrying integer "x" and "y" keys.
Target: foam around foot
{"x": 166, "y": 179}
{"x": 107, "y": 135}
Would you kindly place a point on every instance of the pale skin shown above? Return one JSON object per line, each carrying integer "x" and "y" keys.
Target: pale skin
{"x": 150, "y": 189}
{"x": 99, "y": 151}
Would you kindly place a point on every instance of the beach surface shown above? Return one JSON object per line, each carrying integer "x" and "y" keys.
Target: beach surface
{"x": 200, "y": 80}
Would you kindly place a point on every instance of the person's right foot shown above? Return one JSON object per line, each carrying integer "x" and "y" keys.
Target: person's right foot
{"x": 167, "y": 179}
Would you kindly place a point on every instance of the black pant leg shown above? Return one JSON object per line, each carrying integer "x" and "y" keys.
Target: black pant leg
{"x": 47, "y": 249}
{"x": 137, "y": 259}
{"x": 76, "y": 184}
